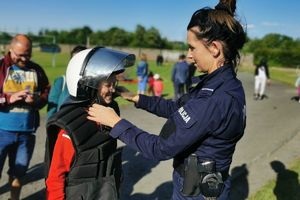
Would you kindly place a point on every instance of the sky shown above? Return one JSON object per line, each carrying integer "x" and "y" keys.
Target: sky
{"x": 170, "y": 17}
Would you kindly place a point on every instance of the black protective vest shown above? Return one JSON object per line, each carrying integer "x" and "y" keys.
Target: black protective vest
{"x": 96, "y": 168}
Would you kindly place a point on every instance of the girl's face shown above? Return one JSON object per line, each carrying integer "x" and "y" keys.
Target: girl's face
{"x": 106, "y": 89}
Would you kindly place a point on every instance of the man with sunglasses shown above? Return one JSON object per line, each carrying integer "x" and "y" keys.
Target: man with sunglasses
{"x": 24, "y": 89}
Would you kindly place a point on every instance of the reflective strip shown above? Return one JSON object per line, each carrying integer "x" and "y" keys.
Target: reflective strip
{"x": 208, "y": 89}
{"x": 66, "y": 136}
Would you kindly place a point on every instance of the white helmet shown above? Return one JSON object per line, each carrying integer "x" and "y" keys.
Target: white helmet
{"x": 90, "y": 66}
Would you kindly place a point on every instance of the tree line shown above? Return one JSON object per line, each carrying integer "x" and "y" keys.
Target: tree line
{"x": 278, "y": 49}
{"x": 115, "y": 36}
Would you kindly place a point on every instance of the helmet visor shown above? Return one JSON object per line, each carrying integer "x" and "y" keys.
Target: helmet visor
{"x": 100, "y": 63}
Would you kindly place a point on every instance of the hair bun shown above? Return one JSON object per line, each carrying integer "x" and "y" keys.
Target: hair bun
{"x": 227, "y": 5}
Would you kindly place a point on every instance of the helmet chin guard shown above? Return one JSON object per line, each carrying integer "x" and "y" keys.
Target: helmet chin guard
{"x": 88, "y": 67}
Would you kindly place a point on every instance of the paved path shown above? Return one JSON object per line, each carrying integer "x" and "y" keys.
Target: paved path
{"x": 272, "y": 133}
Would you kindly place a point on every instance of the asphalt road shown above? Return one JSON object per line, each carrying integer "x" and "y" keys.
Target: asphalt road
{"x": 272, "y": 133}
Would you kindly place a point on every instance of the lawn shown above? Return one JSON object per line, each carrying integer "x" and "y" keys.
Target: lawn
{"x": 61, "y": 61}
{"x": 284, "y": 75}
{"x": 285, "y": 186}
{"x": 287, "y": 76}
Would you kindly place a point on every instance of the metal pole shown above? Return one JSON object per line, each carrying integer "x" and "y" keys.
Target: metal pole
{"x": 54, "y": 50}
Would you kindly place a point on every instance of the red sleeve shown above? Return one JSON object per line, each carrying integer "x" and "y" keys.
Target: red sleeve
{"x": 61, "y": 161}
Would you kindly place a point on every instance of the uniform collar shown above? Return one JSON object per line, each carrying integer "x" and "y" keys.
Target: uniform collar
{"x": 216, "y": 78}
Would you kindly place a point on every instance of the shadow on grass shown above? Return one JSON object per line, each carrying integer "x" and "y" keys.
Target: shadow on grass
{"x": 287, "y": 184}
{"x": 240, "y": 185}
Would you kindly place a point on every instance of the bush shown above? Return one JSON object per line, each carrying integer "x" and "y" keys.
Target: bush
{"x": 282, "y": 57}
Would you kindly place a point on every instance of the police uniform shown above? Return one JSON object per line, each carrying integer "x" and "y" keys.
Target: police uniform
{"x": 207, "y": 122}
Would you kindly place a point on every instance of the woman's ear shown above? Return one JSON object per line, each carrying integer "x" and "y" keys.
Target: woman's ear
{"x": 215, "y": 48}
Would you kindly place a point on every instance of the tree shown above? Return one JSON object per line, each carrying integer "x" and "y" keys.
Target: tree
{"x": 139, "y": 36}
{"x": 152, "y": 38}
{"x": 117, "y": 37}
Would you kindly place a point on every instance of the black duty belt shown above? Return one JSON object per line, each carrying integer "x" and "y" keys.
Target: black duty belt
{"x": 180, "y": 170}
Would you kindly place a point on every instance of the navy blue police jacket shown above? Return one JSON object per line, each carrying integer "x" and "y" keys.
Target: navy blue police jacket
{"x": 209, "y": 123}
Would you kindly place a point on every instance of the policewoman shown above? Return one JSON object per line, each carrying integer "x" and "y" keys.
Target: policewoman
{"x": 82, "y": 160}
{"x": 204, "y": 126}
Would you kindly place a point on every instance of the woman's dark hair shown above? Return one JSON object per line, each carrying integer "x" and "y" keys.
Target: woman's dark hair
{"x": 219, "y": 24}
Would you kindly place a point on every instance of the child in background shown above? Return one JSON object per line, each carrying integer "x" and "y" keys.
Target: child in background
{"x": 158, "y": 85}
{"x": 297, "y": 84}
{"x": 150, "y": 91}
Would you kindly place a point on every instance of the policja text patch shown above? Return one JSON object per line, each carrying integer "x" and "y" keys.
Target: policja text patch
{"x": 184, "y": 115}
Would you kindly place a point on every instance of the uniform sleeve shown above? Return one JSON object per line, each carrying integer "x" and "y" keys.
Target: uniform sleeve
{"x": 157, "y": 105}
{"x": 61, "y": 161}
{"x": 192, "y": 122}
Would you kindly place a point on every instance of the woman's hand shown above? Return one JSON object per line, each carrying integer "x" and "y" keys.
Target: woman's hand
{"x": 126, "y": 94}
{"x": 103, "y": 115}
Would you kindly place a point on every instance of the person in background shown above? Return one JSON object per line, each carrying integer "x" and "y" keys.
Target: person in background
{"x": 59, "y": 90}
{"x": 159, "y": 60}
{"x": 158, "y": 85}
{"x": 150, "y": 91}
{"x": 262, "y": 78}
{"x": 142, "y": 74}
{"x": 179, "y": 78}
{"x": 82, "y": 160}
{"x": 24, "y": 89}
{"x": 192, "y": 70}
{"x": 297, "y": 85}
{"x": 204, "y": 125}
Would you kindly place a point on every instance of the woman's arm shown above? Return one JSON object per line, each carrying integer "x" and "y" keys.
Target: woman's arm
{"x": 156, "y": 105}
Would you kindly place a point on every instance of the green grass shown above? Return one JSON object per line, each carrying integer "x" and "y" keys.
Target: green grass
{"x": 164, "y": 72}
{"x": 45, "y": 60}
{"x": 286, "y": 185}
{"x": 61, "y": 60}
{"x": 287, "y": 76}
{"x": 284, "y": 75}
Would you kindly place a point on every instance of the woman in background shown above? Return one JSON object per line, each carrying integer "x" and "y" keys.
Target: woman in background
{"x": 142, "y": 74}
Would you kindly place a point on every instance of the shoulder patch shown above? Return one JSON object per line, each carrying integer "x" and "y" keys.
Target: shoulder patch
{"x": 184, "y": 115}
